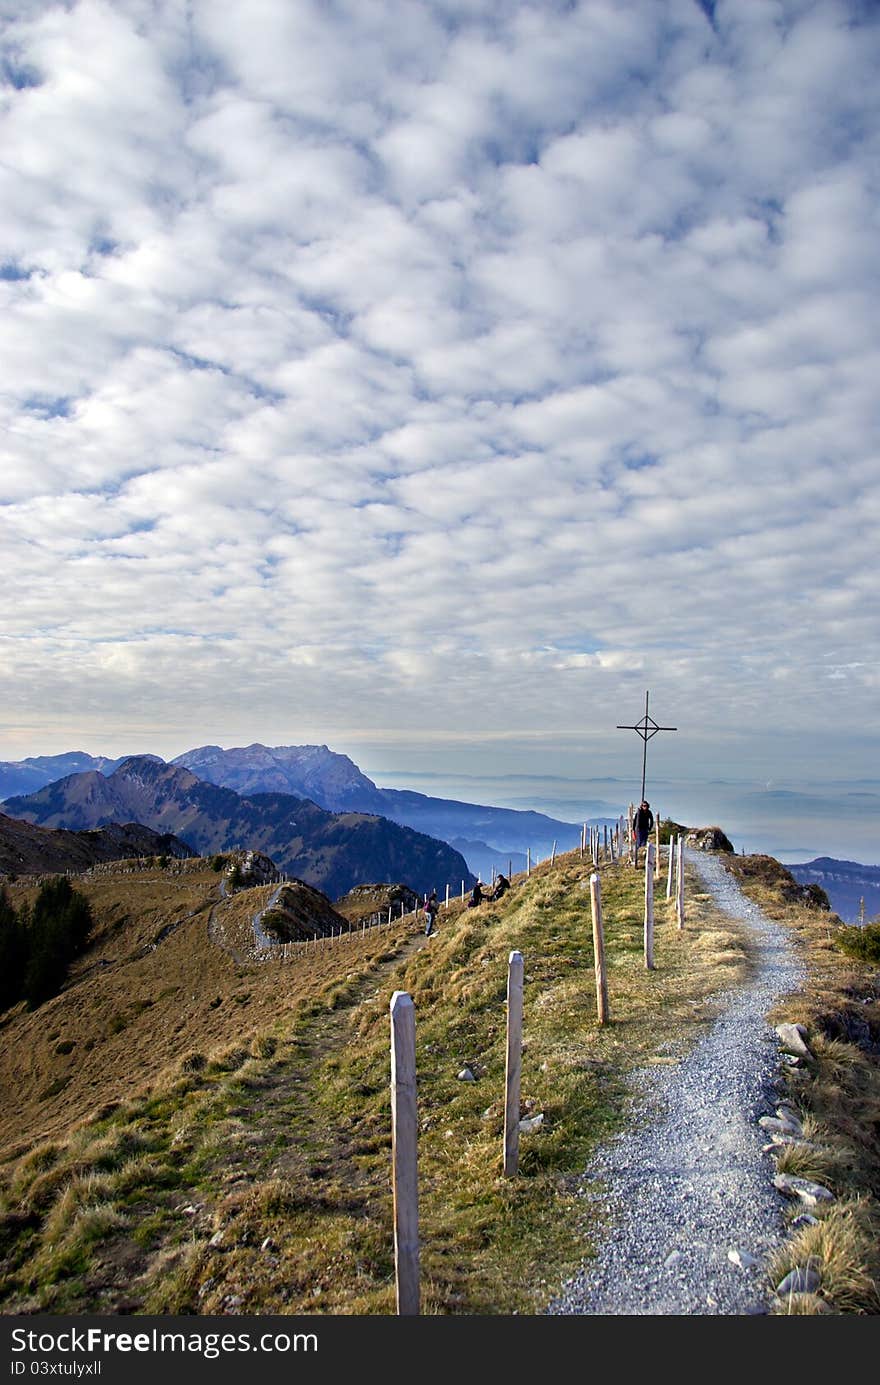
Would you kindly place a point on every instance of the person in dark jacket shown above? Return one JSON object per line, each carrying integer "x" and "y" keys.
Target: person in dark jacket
{"x": 476, "y": 896}
{"x": 432, "y": 907}
{"x": 502, "y": 885}
{"x": 643, "y": 821}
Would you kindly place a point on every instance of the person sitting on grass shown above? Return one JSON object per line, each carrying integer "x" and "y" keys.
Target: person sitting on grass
{"x": 476, "y": 896}
{"x": 502, "y": 885}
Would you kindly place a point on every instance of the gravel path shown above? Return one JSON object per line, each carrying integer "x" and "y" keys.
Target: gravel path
{"x": 690, "y": 1184}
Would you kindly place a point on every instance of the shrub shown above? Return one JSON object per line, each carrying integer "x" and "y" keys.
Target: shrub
{"x": 863, "y": 943}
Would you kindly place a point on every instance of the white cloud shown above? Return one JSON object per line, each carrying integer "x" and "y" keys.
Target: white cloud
{"x": 438, "y": 368}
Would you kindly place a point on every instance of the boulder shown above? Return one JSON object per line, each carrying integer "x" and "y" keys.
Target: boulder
{"x": 708, "y": 839}
{"x": 810, "y": 1193}
{"x": 803, "y": 1279}
{"x": 793, "y": 1038}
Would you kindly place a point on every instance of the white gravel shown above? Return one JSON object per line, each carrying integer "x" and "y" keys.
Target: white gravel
{"x": 689, "y": 1184}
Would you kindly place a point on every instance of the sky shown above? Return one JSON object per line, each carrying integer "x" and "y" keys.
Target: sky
{"x": 431, "y": 380}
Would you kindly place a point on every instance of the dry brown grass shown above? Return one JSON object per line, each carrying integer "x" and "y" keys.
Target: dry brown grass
{"x": 844, "y": 1247}
{"x": 134, "y": 1008}
{"x": 839, "y": 1096}
{"x": 265, "y": 1117}
{"x": 282, "y": 1139}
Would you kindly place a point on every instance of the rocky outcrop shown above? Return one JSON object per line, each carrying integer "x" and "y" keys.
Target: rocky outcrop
{"x": 707, "y": 839}
{"x": 298, "y": 913}
{"x": 253, "y": 868}
{"x": 369, "y": 904}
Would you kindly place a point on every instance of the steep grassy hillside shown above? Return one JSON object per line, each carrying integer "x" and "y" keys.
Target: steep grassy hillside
{"x": 168, "y": 972}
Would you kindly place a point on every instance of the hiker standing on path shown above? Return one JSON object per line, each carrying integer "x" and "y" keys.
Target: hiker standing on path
{"x": 432, "y": 907}
{"x": 643, "y": 821}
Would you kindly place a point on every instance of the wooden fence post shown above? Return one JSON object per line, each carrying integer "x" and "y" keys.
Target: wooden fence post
{"x": 528, "y": 860}
{"x": 657, "y": 847}
{"x": 599, "y": 949}
{"x": 669, "y": 871}
{"x": 553, "y": 854}
{"x": 679, "y": 893}
{"x": 649, "y": 906}
{"x": 447, "y": 896}
{"x": 513, "y": 1068}
{"x": 404, "y": 1153}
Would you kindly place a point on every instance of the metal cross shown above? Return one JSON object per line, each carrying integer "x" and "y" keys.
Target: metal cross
{"x": 646, "y": 728}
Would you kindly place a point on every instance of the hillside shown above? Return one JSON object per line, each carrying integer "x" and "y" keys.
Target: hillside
{"x": 29, "y": 850}
{"x": 330, "y": 851}
{"x": 170, "y": 970}
{"x": 219, "y": 1131}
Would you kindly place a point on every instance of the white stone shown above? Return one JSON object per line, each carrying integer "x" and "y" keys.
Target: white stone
{"x": 793, "y": 1037}
{"x": 742, "y": 1258}
{"x": 466, "y": 1075}
{"x": 810, "y": 1193}
{"x": 778, "y": 1127}
{"x": 531, "y": 1123}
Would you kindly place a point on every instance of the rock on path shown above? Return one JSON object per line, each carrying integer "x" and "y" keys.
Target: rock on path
{"x": 689, "y": 1191}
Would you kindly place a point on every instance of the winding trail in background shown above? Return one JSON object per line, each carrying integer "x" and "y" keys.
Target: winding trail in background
{"x": 689, "y": 1185}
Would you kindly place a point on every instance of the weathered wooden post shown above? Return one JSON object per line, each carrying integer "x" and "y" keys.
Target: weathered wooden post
{"x": 649, "y": 906}
{"x": 528, "y": 860}
{"x": 553, "y": 854}
{"x": 679, "y": 893}
{"x": 599, "y": 950}
{"x": 513, "y": 1068}
{"x": 404, "y": 1153}
{"x": 657, "y": 847}
{"x": 462, "y": 892}
{"x": 669, "y": 870}
{"x": 447, "y": 896}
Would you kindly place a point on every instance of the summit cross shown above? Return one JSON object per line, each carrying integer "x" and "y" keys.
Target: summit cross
{"x": 646, "y": 728}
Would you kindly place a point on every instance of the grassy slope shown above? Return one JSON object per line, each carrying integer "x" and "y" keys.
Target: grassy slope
{"x": 838, "y": 1099}
{"x": 253, "y": 1176}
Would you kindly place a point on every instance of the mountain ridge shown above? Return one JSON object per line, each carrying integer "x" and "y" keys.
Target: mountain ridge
{"x": 27, "y": 849}
{"x": 331, "y": 851}
{"x": 334, "y": 782}
{"x": 847, "y": 884}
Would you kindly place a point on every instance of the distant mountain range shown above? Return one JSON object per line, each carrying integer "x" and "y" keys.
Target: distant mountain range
{"x": 29, "y": 850}
{"x": 485, "y": 836}
{"x": 846, "y": 884}
{"x": 331, "y": 851}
